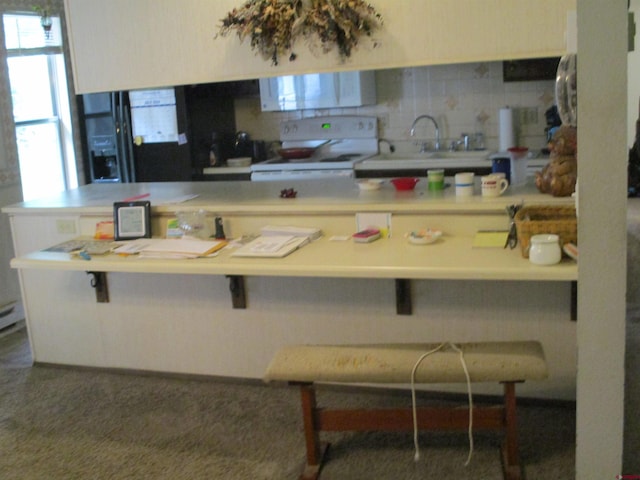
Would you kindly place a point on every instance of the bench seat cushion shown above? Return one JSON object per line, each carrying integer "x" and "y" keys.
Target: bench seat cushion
{"x": 393, "y": 363}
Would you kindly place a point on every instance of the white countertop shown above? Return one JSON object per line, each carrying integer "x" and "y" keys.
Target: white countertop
{"x": 226, "y": 170}
{"x": 445, "y": 159}
{"x": 451, "y": 257}
{"x": 335, "y": 196}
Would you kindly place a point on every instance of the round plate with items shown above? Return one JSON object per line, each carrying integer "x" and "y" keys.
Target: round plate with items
{"x": 423, "y": 237}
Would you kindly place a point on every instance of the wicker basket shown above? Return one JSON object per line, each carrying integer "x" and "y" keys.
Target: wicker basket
{"x": 534, "y": 220}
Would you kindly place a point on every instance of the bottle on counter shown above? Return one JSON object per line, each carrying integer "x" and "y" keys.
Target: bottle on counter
{"x": 215, "y": 158}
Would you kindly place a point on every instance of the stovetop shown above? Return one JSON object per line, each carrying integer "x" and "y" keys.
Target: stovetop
{"x": 348, "y": 139}
{"x": 349, "y": 158}
{"x": 315, "y": 162}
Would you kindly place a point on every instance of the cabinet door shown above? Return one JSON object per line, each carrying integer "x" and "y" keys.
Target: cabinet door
{"x": 129, "y": 44}
{"x": 317, "y": 90}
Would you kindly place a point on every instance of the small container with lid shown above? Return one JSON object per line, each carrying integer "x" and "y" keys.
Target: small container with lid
{"x": 545, "y": 249}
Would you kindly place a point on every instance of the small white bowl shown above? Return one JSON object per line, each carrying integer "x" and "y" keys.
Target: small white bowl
{"x": 370, "y": 184}
{"x": 239, "y": 162}
{"x": 423, "y": 237}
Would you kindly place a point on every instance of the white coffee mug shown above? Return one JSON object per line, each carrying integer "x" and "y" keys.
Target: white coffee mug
{"x": 493, "y": 185}
{"x": 464, "y": 184}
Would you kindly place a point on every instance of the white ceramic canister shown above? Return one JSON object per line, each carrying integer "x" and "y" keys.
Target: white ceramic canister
{"x": 545, "y": 249}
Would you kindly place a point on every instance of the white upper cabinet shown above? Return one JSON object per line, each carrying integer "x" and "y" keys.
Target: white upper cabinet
{"x": 127, "y": 44}
{"x": 317, "y": 90}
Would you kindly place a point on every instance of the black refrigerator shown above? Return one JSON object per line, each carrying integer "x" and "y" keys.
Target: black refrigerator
{"x": 112, "y": 156}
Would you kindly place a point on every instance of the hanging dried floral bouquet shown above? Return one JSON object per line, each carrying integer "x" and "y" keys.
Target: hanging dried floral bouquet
{"x": 274, "y": 25}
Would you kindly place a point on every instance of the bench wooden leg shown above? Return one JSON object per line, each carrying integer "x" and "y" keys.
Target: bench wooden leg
{"x": 502, "y": 418}
{"x": 315, "y": 450}
{"x": 510, "y": 454}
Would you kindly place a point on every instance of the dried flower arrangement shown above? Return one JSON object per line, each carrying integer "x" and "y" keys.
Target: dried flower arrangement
{"x": 274, "y": 25}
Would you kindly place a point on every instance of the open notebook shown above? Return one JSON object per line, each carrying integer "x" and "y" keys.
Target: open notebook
{"x": 274, "y": 246}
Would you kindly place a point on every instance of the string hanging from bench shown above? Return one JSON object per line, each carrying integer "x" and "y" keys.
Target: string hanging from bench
{"x": 454, "y": 347}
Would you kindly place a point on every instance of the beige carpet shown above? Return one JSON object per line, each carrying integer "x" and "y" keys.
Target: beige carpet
{"x": 79, "y": 424}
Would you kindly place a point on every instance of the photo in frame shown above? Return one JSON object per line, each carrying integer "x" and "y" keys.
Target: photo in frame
{"x": 132, "y": 220}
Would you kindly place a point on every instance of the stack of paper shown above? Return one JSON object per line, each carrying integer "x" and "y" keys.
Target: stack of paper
{"x": 170, "y": 248}
{"x": 491, "y": 238}
{"x": 90, "y": 246}
{"x": 276, "y": 246}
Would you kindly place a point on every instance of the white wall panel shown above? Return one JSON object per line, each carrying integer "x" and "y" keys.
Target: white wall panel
{"x": 125, "y": 44}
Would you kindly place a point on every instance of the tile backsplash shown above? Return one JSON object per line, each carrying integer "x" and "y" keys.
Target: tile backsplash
{"x": 463, "y": 98}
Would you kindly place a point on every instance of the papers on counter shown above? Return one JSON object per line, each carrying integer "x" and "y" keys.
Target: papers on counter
{"x": 170, "y": 248}
{"x": 274, "y": 246}
{"x": 491, "y": 238}
{"x": 90, "y": 246}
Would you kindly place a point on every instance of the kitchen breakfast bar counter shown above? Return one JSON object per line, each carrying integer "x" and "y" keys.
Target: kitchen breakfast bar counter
{"x": 327, "y": 292}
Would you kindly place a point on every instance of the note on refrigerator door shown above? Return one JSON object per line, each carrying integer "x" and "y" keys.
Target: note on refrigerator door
{"x": 153, "y": 115}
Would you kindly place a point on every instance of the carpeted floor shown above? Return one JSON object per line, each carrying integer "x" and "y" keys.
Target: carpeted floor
{"x": 81, "y": 424}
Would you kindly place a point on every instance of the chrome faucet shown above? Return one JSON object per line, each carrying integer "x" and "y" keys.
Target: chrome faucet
{"x": 464, "y": 142}
{"x": 412, "y": 133}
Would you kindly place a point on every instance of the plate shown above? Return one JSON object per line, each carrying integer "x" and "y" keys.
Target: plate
{"x": 369, "y": 184}
{"x": 423, "y": 237}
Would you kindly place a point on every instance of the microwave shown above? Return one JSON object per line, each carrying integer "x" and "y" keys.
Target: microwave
{"x": 319, "y": 90}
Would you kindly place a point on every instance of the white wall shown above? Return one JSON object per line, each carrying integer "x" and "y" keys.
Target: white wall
{"x": 464, "y": 98}
{"x": 9, "y": 287}
{"x": 10, "y": 192}
{"x": 602, "y": 118}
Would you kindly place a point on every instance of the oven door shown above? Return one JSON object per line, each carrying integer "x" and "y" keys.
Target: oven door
{"x": 275, "y": 175}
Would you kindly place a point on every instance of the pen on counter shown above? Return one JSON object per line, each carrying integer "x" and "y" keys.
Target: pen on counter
{"x": 136, "y": 197}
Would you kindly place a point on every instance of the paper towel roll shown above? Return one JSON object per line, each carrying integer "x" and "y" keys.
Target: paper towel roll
{"x": 506, "y": 132}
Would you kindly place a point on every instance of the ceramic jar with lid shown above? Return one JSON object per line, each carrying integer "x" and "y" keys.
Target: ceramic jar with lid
{"x": 545, "y": 249}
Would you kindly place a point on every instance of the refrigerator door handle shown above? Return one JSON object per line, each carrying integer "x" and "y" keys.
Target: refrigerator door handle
{"x": 127, "y": 137}
{"x": 122, "y": 139}
{"x": 115, "y": 107}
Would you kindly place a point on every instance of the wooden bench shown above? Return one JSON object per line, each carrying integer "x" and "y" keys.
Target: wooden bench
{"x": 504, "y": 362}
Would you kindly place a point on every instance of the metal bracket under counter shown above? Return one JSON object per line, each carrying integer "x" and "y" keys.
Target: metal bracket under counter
{"x": 100, "y": 285}
{"x": 238, "y": 293}
{"x": 236, "y": 287}
{"x": 404, "y": 299}
{"x": 404, "y": 304}
{"x": 239, "y": 297}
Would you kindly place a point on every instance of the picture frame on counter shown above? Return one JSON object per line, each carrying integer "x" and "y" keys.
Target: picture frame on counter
{"x": 132, "y": 220}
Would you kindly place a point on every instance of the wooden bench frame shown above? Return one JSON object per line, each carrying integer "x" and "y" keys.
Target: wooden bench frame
{"x": 499, "y": 418}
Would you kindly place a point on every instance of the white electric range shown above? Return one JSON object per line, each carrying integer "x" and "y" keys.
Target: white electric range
{"x": 343, "y": 140}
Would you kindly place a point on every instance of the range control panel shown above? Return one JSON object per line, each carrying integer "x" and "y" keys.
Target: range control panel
{"x": 329, "y": 128}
